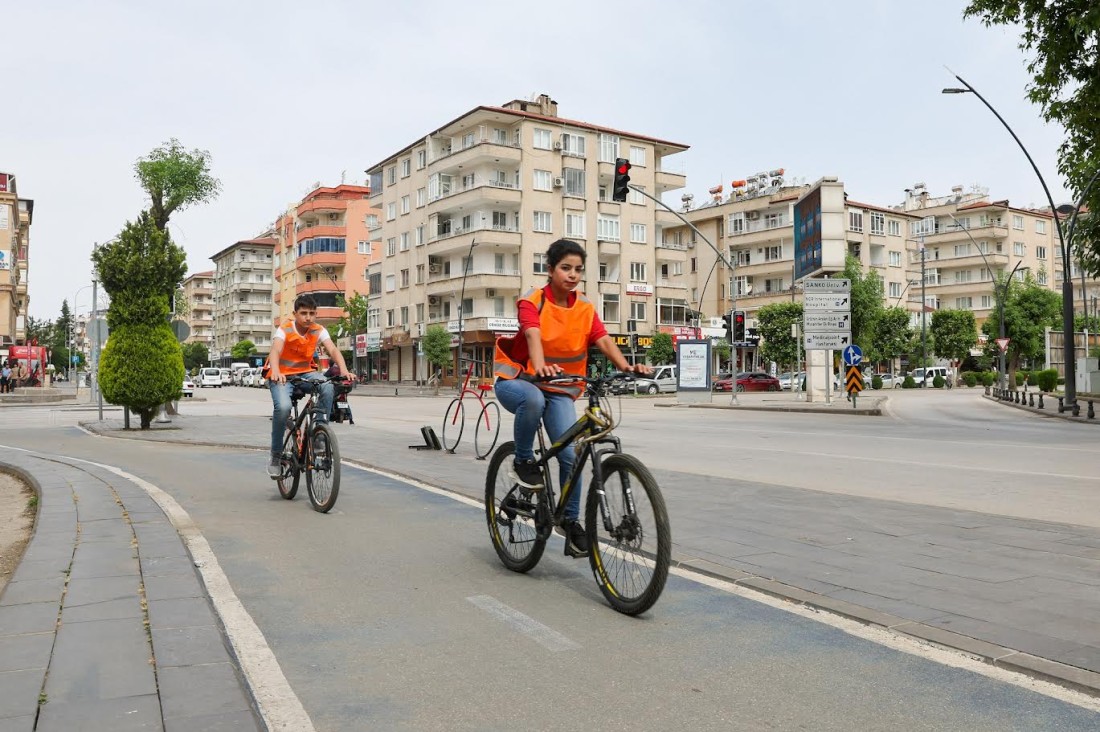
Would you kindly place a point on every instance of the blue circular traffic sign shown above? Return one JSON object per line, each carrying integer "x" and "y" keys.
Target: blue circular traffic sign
{"x": 853, "y": 355}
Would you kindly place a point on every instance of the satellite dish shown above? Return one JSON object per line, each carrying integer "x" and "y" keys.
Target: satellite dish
{"x": 181, "y": 330}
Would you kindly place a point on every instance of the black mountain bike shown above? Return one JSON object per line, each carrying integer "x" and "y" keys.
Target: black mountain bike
{"x": 309, "y": 447}
{"x": 625, "y": 519}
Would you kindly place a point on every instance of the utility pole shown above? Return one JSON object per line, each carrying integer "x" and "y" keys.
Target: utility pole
{"x": 923, "y": 312}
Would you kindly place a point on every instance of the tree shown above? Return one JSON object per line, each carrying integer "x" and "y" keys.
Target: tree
{"x": 866, "y": 299}
{"x": 354, "y": 319}
{"x": 1029, "y": 309}
{"x": 175, "y": 179}
{"x": 242, "y": 350}
{"x": 891, "y": 334}
{"x": 142, "y": 365}
{"x": 954, "y": 333}
{"x": 723, "y": 350}
{"x": 1062, "y": 37}
{"x": 195, "y": 355}
{"x": 773, "y": 324}
{"x": 437, "y": 347}
{"x": 661, "y": 351}
{"x": 59, "y": 343}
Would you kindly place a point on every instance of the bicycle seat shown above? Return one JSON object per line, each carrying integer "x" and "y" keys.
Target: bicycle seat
{"x": 485, "y": 387}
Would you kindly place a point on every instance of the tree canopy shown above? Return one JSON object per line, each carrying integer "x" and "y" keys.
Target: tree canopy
{"x": 662, "y": 350}
{"x": 242, "y": 350}
{"x": 1062, "y": 37}
{"x": 773, "y": 323}
{"x": 890, "y": 334}
{"x": 175, "y": 178}
{"x": 195, "y": 355}
{"x": 1030, "y": 308}
{"x": 139, "y": 270}
{"x": 954, "y": 333}
{"x": 866, "y": 300}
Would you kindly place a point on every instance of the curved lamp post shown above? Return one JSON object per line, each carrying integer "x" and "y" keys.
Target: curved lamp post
{"x": 1001, "y": 297}
{"x": 1064, "y": 244}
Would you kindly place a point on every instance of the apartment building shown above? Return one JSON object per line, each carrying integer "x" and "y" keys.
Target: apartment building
{"x": 323, "y": 248}
{"x": 753, "y": 226}
{"x": 195, "y": 306}
{"x": 243, "y": 308}
{"x": 16, "y": 216}
{"x": 968, "y": 240}
{"x": 469, "y": 209}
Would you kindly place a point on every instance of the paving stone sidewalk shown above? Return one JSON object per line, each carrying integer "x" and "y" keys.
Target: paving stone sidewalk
{"x": 105, "y": 624}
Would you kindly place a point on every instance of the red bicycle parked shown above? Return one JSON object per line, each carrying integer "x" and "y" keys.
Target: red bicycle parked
{"x": 487, "y": 427}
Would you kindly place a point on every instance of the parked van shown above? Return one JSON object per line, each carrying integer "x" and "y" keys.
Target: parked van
{"x": 209, "y": 377}
{"x": 925, "y": 377}
{"x": 663, "y": 379}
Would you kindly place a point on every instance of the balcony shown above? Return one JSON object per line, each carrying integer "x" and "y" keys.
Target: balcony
{"x": 483, "y": 148}
{"x": 309, "y": 232}
{"x": 760, "y": 224}
{"x": 318, "y": 259}
{"x": 459, "y": 238}
{"x": 481, "y": 191}
{"x": 675, "y": 245}
{"x": 962, "y": 261}
{"x": 669, "y": 181}
{"x": 477, "y": 280}
{"x": 329, "y": 314}
{"x": 320, "y": 284}
{"x": 951, "y": 232}
{"x": 323, "y": 205}
{"x": 759, "y": 267}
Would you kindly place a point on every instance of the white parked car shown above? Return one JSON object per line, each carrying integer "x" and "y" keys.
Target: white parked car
{"x": 210, "y": 377}
{"x": 925, "y": 377}
{"x": 188, "y": 387}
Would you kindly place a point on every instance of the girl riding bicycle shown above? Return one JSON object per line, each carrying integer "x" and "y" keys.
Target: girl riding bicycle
{"x": 556, "y": 327}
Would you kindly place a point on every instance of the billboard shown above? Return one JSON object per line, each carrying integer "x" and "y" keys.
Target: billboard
{"x": 807, "y": 234}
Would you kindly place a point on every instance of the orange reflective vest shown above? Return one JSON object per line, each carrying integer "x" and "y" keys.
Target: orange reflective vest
{"x": 565, "y": 333}
{"x": 298, "y": 349}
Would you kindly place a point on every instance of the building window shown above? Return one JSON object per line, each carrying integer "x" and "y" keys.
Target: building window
{"x": 773, "y": 220}
{"x": 1040, "y": 227}
{"x": 635, "y": 197}
{"x": 1041, "y": 277}
{"x": 371, "y": 221}
{"x": 404, "y": 278}
{"x": 609, "y": 148}
{"x": 987, "y": 302}
{"x": 391, "y": 246}
{"x": 391, "y": 283}
{"x": 1019, "y": 249}
{"x": 404, "y": 241}
{"x": 542, "y": 222}
{"x": 419, "y": 274}
{"x": 964, "y": 303}
{"x": 404, "y": 204}
{"x": 391, "y": 175}
{"x": 541, "y": 139}
{"x": 1041, "y": 252}
{"x": 637, "y": 311}
{"x": 421, "y": 159}
{"x": 391, "y": 211}
{"x": 893, "y": 227}
{"x": 735, "y": 224}
{"x": 878, "y": 223}
{"x": 421, "y": 197}
{"x": 895, "y": 289}
{"x": 744, "y": 256}
{"x": 774, "y": 253}
{"x": 574, "y": 182}
{"x": 541, "y": 267}
{"x": 1017, "y": 222}
{"x": 637, "y": 233}
{"x": 855, "y": 221}
{"x": 420, "y": 236}
{"x": 572, "y": 144}
{"x": 637, "y": 272}
{"x": 637, "y": 156}
{"x": 406, "y": 167}
{"x": 364, "y": 247}
{"x": 610, "y": 308}
{"x": 607, "y": 228}
{"x": 962, "y": 250}
{"x": 962, "y": 275}
{"x": 895, "y": 259}
{"x": 543, "y": 180}
{"x": 574, "y": 225}
{"x": 774, "y": 284}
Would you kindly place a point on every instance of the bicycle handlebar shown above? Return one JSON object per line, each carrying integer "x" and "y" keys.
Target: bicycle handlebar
{"x": 572, "y": 379}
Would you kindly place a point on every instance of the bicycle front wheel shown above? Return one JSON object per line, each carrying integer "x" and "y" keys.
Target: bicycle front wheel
{"x": 453, "y": 422}
{"x": 487, "y": 430}
{"x": 511, "y": 513}
{"x": 630, "y": 553}
{"x": 290, "y": 473}
{"x": 323, "y": 469}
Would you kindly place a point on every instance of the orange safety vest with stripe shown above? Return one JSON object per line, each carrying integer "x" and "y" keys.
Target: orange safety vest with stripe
{"x": 565, "y": 333}
{"x": 298, "y": 349}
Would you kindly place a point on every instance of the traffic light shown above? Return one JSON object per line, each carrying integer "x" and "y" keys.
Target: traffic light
{"x": 738, "y": 326}
{"x": 622, "y": 177}
{"x": 728, "y": 320}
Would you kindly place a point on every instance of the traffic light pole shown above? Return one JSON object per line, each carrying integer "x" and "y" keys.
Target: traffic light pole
{"x": 721, "y": 258}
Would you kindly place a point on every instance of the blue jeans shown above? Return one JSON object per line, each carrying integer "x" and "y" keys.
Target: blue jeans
{"x": 280, "y": 398}
{"x": 530, "y": 404}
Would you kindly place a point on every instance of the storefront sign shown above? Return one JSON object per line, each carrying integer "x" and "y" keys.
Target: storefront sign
{"x": 639, "y": 288}
{"x": 502, "y": 325}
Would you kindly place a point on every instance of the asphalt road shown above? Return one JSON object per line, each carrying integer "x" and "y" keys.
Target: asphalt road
{"x": 394, "y": 612}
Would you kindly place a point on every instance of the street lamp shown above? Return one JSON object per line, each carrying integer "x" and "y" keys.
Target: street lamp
{"x": 1001, "y": 297}
{"x": 1067, "y": 281}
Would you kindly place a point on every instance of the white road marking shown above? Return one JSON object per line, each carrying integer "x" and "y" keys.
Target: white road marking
{"x": 278, "y": 704}
{"x": 544, "y": 635}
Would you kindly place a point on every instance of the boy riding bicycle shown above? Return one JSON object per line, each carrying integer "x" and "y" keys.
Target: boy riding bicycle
{"x": 292, "y": 348}
{"x": 556, "y": 327}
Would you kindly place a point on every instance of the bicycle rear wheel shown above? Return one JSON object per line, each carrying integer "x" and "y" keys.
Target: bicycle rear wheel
{"x": 290, "y": 473}
{"x": 630, "y": 560}
{"x": 453, "y": 422}
{"x": 323, "y": 469}
{"x": 486, "y": 430}
{"x": 512, "y": 514}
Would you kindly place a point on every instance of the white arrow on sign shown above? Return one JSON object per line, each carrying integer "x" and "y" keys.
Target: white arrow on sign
{"x": 823, "y": 303}
{"x": 827, "y": 341}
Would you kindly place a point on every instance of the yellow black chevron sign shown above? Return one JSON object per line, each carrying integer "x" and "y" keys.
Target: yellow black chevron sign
{"x": 853, "y": 381}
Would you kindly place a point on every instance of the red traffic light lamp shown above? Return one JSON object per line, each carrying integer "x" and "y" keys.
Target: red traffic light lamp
{"x": 738, "y": 326}
{"x": 622, "y": 178}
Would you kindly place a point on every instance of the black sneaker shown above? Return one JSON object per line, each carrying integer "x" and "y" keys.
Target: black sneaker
{"x": 528, "y": 474}
{"x": 576, "y": 539}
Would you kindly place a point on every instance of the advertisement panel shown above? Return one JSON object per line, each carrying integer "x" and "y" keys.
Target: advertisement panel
{"x": 807, "y": 234}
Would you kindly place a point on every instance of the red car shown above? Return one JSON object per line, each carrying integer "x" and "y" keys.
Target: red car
{"x": 755, "y": 381}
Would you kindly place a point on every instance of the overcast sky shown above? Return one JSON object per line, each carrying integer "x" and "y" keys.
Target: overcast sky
{"x": 284, "y": 94}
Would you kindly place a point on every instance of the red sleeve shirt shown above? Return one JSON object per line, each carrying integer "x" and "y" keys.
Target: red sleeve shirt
{"x": 528, "y": 316}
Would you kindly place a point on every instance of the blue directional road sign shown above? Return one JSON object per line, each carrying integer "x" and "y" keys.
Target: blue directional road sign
{"x": 853, "y": 355}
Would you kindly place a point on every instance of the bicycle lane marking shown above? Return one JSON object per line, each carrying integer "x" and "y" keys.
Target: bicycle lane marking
{"x": 277, "y": 703}
{"x": 544, "y": 635}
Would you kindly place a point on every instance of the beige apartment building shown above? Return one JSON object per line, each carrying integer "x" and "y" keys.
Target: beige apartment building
{"x": 16, "y": 215}
{"x": 243, "y": 308}
{"x": 195, "y": 306}
{"x": 469, "y": 209}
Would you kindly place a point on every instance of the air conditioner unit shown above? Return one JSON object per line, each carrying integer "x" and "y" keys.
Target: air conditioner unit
{"x": 490, "y": 292}
{"x": 559, "y": 182}
{"x": 752, "y": 215}
{"x": 691, "y": 244}
{"x": 433, "y": 300}
{"x": 557, "y": 146}
{"x": 332, "y": 216}
{"x": 434, "y": 268}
